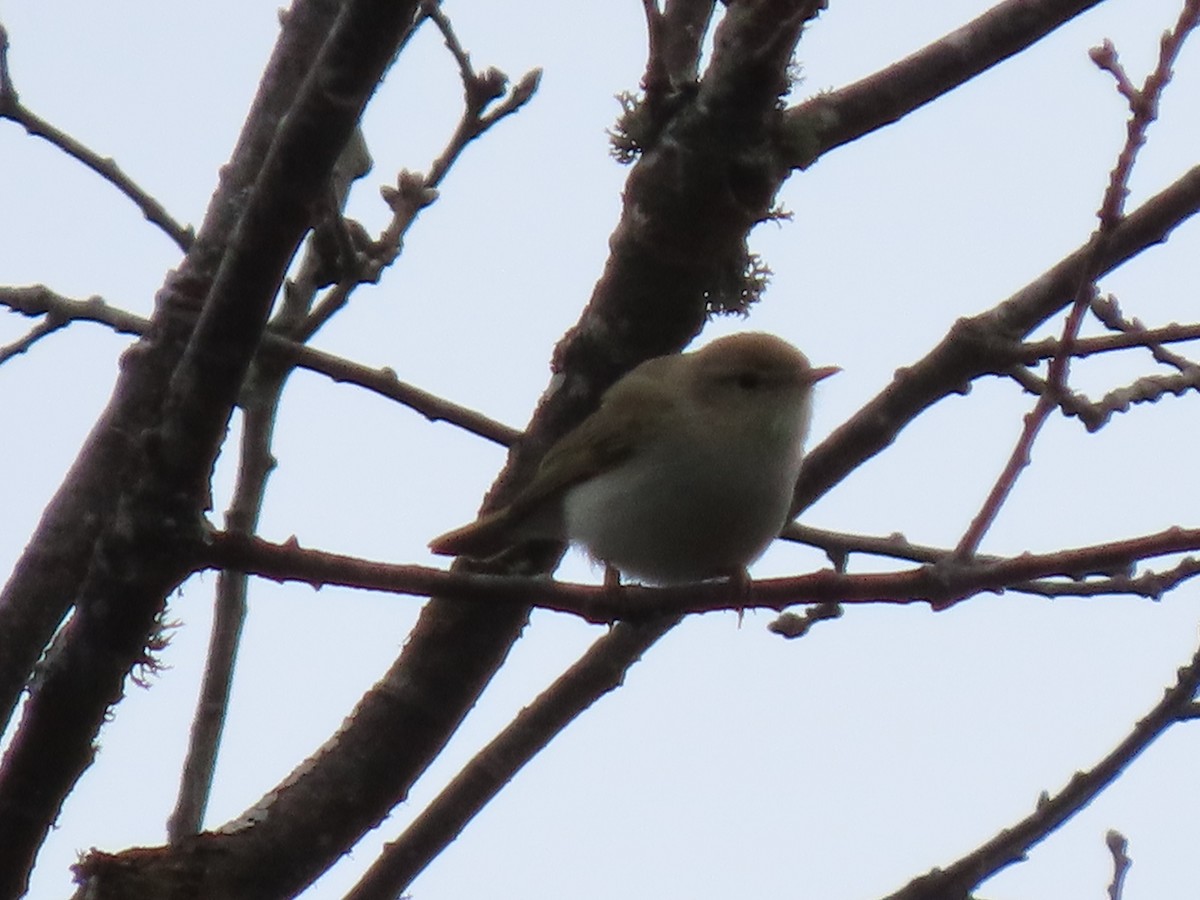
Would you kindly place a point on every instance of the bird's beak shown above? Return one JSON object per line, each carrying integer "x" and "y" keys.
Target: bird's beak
{"x": 815, "y": 375}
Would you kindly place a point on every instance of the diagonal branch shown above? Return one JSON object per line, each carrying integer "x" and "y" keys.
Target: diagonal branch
{"x": 138, "y": 557}
{"x": 12, "y": 109}
{"x": 48, "y": 577}
{"x": 599, "y": 671}
{"x": 1011, "y": 845}
{"x": 43, "y": 329}
{"x": 38, "y": 300}
{"x": 830, "y": 120}
{"x": 1110, "y": 214}
{"x": 985, "y": 344}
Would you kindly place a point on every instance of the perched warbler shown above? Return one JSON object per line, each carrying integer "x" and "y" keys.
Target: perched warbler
{"x": 684, "y": 472}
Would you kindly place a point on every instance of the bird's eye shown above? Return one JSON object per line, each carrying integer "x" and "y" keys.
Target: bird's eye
{"x": 749, "y": 380}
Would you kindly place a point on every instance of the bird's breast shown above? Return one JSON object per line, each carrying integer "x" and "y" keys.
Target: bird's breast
{"x": 686, "y": 512}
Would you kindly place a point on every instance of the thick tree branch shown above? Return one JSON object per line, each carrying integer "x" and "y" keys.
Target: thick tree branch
{"x": 136, "y": 561}
{"x": 600, "y": 670}
{"x": 830, "y": 120}
{"x": 985, "y": 344}
{"x": 48, "y": 577}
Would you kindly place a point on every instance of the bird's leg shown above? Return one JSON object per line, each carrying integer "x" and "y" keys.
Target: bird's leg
{"x": 742, "y": 586}
{"x": 612, "y": 578}
{"x": 612, "y": 581}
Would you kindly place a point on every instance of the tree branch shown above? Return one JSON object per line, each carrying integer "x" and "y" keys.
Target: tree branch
{"x": 1012, "y": 844}
{"x": 830, "y": 120}
{"x": 600, "y": 670}
{"x": 12, "y": 109}
{"x": 38, "y": 300}
{"x": 48, "y": 577}
{"x": 1111, "y": 214}
{"x": 986, "y": 343}
{"x": 940, "y": 584}
{"x": 137, "y": 556}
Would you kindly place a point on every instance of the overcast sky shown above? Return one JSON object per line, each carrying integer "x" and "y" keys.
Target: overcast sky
{"x": 732, "y": 763}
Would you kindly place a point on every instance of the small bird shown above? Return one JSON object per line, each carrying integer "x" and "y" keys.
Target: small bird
{"x": 684, "y": 472}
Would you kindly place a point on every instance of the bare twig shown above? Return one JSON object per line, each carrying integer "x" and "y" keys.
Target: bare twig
{"x": 413, "y": 191}
{"x": 1009, "y": 846}
{"x": 41, "y": 301}
{"x": 1131, "y": 333}
{"x": 1108, "y": 311}
{"x": 260, "y": 400}
{"x": 12, "y": 109}
{"x": 38, "y": 300}
{"x": 50, "y": 325}
{"x": 1117, "y": 845}
{"x": 385, "y": 383}
{"x": 1150, "y": 338}
{"x": 1143, "y": 103}
{"x": 1110, "y": 214}
{"x": 1095, "y": 414}
{"x": 839, "y": 545}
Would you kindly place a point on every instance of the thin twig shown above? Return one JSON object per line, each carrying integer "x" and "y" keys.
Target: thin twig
{"x": 38, "y": 300}
{"x": 41, "y": 301}
{"x": 1130, "y": 333}
{"x": 1150, "y": 338}
{"x": 413, "y": 191}
{"x": 1110, "y": 214}
{"x": 1108, "y": 311}
{"x": 1096, "y": 414}
{"x": 35, "y": 334}
{"x": 261, "y": 401}
{"x": 12, "y": 109}
{"x": 839, "y": 545}
{"x": 1009, "y": 846}
{"x": 1117, "y": 846}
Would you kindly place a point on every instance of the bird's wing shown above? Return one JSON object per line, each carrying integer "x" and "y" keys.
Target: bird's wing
{"x": 602, "y": 441}
{"x": 605, "y": 439}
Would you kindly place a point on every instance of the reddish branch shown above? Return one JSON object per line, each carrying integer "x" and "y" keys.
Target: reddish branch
{"x": 1147, "y": 583}
{"x": 938, "y": 584}
{"x": 1143, "y": 105}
